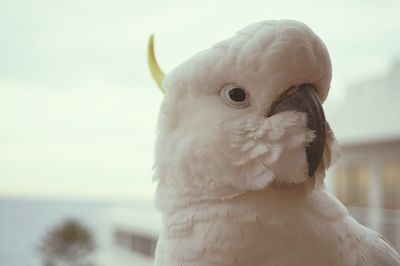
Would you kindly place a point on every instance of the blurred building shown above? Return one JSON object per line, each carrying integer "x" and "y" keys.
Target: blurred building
{"x": 367, "y": 181}
{"x": 367, "y": 177}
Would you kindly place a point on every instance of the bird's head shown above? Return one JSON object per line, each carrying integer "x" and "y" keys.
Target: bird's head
{"x": 246, "y": 112}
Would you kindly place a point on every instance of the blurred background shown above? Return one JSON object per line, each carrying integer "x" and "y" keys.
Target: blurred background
{"x": 78, "y": 110}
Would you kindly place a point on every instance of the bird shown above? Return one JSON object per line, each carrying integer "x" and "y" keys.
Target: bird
{"x": 241, "y": 153}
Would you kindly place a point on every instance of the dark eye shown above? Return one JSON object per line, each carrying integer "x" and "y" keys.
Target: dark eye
{"x": 235, "y": 96}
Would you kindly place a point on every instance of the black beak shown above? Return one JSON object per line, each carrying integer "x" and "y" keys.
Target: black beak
{"x": 304, "y": 98}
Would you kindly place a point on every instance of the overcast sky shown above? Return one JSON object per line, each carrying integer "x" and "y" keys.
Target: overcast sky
{"x": 78, "y": 107}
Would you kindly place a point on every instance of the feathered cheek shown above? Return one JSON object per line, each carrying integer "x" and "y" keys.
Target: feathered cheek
{"x": 263, "y": 150}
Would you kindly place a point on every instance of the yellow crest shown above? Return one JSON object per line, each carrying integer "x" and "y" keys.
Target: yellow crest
{"x": 155, "y": 70}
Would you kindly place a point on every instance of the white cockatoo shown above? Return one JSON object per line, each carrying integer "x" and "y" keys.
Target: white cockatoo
{"x": 241, "y": 155}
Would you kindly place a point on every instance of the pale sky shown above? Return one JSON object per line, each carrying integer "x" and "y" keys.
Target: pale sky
{"x": 78, "y": 108}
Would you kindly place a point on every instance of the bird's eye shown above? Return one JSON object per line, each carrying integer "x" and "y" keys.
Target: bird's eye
{"x": 235, "y": 96}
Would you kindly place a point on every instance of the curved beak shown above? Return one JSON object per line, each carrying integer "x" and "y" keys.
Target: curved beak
{"x": 304, "y": 99}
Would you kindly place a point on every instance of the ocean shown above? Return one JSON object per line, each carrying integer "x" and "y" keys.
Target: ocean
{"x": 24, "y": 223}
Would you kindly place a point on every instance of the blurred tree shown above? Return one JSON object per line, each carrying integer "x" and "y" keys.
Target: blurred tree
{"x": 70, "y": 243}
